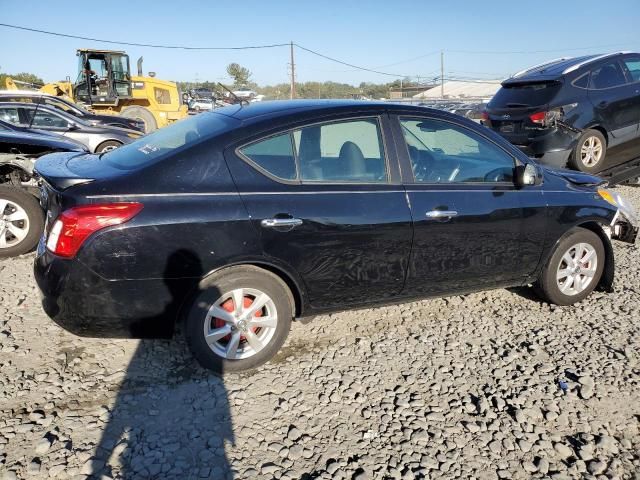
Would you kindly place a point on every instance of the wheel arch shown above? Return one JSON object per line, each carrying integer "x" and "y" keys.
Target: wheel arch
{"x": 600, "y": 129}
{"x": 608, "y": 274}
{"x": 293, "y": 285}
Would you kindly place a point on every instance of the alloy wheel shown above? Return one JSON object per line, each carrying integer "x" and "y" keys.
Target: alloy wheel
{"x": 14, "y": 223}
{"x": 240, "y": 323}
{"x": 577, "y": 269}
{"x": 591, "y": 151}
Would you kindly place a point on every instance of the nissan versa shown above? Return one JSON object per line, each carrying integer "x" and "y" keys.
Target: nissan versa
{"x": 238, "y": 221}
{"x": 581, "y": 112}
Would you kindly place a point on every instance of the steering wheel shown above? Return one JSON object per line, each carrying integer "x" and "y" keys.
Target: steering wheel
{"x": 423, "y": 166}
{"x": 497, "y": 175}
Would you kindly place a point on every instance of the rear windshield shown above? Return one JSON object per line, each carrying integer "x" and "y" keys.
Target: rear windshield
{"x": 155, "y": 146}
{"x": 530, "y": 94}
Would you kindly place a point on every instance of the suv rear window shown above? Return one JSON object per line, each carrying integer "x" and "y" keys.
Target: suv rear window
{"x": 525, "y": 94}
{"x": 155, "y": 146}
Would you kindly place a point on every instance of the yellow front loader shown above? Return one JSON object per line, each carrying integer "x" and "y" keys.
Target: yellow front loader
{"x": 104, "y": 84}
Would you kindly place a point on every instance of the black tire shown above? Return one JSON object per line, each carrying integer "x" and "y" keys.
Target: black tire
{"x": 141, "y": 113}
{"x": 108, "y": 145}
{"x": 35, "y": 219}
{"x": 217, "y": 286}
{"x": 575, "y": 160}
{"x": 547, "y": 286}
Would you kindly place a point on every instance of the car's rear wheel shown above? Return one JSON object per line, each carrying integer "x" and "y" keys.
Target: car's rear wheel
{"x": 239, "y": 319}
{"x": 589, "y": 153}
{"x": 21, "y": 222}
{"x": 574, "y": 269}
{"x": 108, "y": 146}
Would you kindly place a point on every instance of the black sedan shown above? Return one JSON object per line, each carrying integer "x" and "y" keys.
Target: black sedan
{"x": 240, "y": 220}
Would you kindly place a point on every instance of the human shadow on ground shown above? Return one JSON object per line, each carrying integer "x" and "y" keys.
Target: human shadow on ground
{"x": 171, "y": 418}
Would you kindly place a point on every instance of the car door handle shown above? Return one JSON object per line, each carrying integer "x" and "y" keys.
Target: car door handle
{"x": 442, "y": 213}
{"x": 603, "y": 104}
{"x": 280, "y": 222}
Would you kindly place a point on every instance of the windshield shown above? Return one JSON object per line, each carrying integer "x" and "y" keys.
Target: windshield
{"x": 526, "y": 94}
{"x": 155, "y": 146}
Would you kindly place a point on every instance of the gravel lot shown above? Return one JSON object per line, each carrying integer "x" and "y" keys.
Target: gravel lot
{"x": 489, "y": 385}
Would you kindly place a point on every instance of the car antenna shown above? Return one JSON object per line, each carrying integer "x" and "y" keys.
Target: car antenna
{"x": 240, "y": 100}
{"x": 35, "y": 112}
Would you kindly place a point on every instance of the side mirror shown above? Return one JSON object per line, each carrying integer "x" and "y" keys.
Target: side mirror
{"x": 527, "y": 175}
{"x": 72, "y": 126}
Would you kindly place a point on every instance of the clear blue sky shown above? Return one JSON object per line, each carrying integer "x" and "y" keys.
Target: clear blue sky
{"x": 371, "y": 34}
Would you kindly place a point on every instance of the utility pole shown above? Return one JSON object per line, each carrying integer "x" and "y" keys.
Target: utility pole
{"x": 442, "y": 73}
{"x": 293, "y": 75}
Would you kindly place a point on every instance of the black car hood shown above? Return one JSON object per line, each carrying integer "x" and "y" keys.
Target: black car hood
{"x": 577, "y": 178}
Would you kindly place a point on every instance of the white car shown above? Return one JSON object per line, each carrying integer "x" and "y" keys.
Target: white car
{"x": 200, "y": 104}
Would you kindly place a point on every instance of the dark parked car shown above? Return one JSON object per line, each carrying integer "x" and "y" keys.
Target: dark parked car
{"x": 241, "y": 219}
{"x": 573, "y": 112}
{"x": 97, "y": 138}
{"x": 26, "y": 96}
{"x": 21, "y": 217}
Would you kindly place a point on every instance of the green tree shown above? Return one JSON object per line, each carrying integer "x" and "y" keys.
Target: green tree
{"x": 239, "y": 74}
{"x": 21, "y": 77}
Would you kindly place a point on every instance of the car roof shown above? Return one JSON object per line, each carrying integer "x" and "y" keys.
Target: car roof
{"x": 25, "y": 93}
{"x": 554, "y": 69}
{"x": 280, "y": 108}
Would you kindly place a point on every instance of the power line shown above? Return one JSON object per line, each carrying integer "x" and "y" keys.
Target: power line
{"x": 348, "y": 64}
{"x": 488, "y": 52}
{"x": 149, "y": 45}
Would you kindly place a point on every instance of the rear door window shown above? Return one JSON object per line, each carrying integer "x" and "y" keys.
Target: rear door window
{"x": 608, "y": 75}
{"x": 349, "y": 151}
{"x": 525, "y": 94}
{"x": 338, "y": 152}
{"x": 273, "y": 155}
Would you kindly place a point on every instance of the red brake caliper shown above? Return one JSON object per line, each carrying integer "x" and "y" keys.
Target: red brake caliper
{"x": 229, "y": 307}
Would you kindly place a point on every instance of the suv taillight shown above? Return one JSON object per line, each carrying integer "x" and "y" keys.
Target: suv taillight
{"x": 538, "y": 117}
{"x": 75, "y": 225}
{"x": 485, "y": 115}
{"x": 549, "y": 118}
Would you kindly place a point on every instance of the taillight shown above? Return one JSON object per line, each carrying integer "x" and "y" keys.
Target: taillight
{"x": 75, "y": 225}
{"x": 485, "y": 115}
{"x": 538, "y": 117}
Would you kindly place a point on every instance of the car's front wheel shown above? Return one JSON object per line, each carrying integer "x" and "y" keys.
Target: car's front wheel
{"x": 239, "y": 319}
{"x": 574, "y": 269}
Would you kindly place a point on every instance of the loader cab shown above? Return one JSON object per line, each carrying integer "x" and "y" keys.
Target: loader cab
{"x": 104, "y": 77}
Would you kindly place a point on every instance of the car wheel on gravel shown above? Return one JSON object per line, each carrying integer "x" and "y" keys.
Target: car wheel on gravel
{"x": 21, "y": 222}
{"x": 574, "y": 269}
{"x": 239, "y": 319}
{"x": 108, "y": 146}
{"x": 589, "y": 153}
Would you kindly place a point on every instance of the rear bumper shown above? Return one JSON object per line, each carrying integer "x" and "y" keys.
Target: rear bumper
{"x": 88, "y": 305}
{"x": 552, "y": 148}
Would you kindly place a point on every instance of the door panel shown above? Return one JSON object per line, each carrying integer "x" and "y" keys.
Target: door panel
{"x": 492, "y": 234}
{"x": 327, "y": 201}
{"x": 352, "y": 245}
